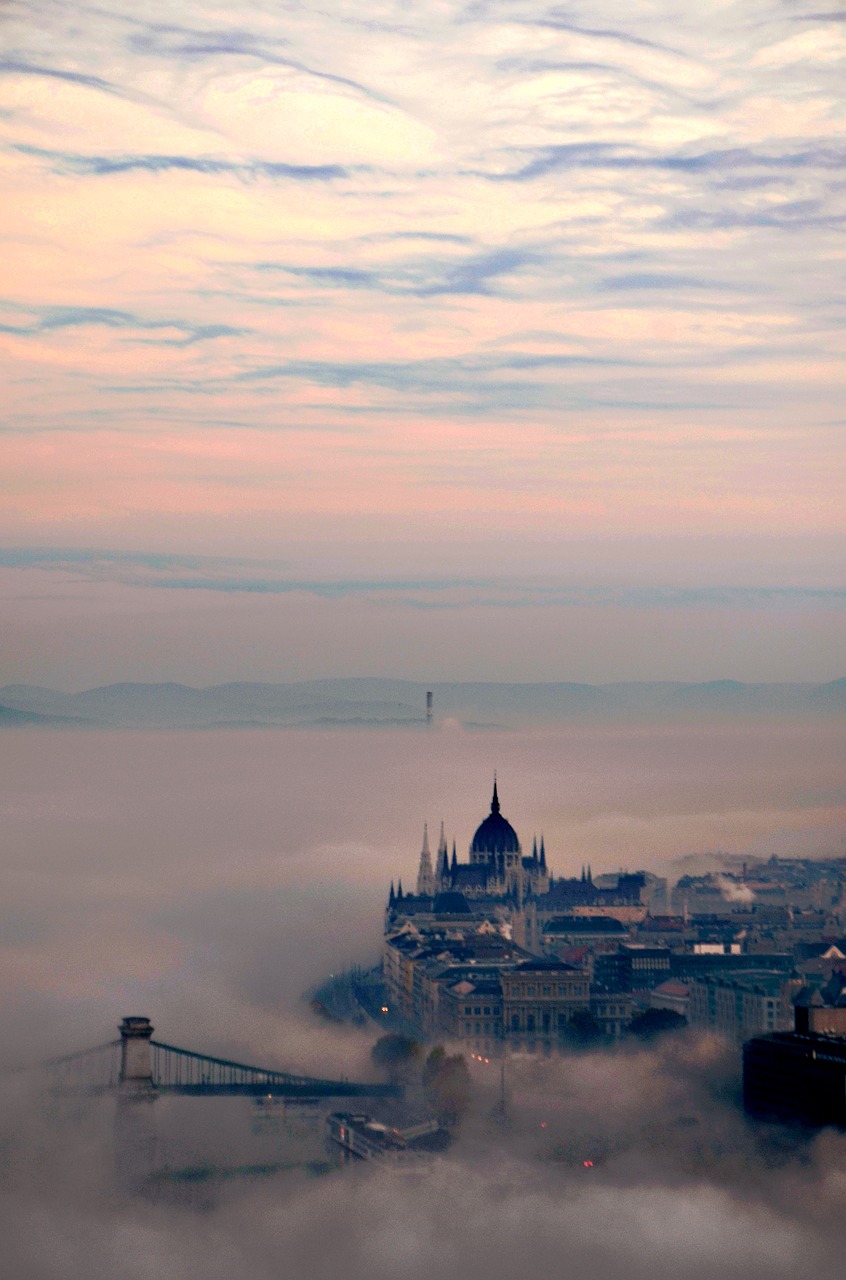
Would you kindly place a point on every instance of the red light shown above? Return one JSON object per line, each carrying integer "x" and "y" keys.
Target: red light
{"x": 543, "y": 1124}
{"x": 588, "y": 1164}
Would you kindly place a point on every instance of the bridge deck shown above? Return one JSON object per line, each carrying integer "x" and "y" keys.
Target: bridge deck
{"x": 316, "y": 1089}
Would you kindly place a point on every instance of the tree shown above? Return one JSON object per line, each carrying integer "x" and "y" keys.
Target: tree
{"x": 583, "y": 1030}
{"x": 656, "y": 1022}
{"x": 446, "y": 1084}
{"x": 397, "y": 1055}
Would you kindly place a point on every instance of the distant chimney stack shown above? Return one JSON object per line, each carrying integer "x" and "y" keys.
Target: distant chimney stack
{"x": 429, "y": 707}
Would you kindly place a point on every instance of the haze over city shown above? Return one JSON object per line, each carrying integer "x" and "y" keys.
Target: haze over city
{"x": 488, "y": 350}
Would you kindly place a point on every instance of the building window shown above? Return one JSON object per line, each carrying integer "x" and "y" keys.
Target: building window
{"x": 515, "y": 1022}
{"x": 530, "y": 1022}
{"x": 546, "y": 991}
{"x": 487, "y": 1010}
{"x": 477, "y": 1012}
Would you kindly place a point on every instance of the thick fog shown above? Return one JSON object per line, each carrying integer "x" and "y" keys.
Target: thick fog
{"x": 209, "y": 879}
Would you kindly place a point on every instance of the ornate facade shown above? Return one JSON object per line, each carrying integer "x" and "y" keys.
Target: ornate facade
{"x": 496, "y": 867}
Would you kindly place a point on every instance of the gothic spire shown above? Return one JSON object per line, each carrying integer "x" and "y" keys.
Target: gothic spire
{"x": 425, "y": 884}
{"x": 495, "y": 800}
{"x": 543, "y": 854}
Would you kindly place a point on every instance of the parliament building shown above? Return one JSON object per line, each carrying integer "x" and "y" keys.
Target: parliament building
{"x": 473, "y": 951}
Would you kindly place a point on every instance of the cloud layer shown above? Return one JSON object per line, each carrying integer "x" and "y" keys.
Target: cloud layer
{"x": 280, "y": 280}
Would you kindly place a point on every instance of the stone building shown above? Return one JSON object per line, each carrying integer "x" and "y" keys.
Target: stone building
{"x": 740, "y": 1005}
{"x": 496, "y": 867}
{"x": 540, "y": 999}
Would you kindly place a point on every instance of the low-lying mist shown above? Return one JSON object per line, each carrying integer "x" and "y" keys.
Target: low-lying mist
{"x": 209, "y": 879}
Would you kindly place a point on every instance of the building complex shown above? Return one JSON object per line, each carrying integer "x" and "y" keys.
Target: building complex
{"x": 497, "y": 949}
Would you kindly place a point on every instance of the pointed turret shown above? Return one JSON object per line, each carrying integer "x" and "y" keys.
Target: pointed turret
{"x": 399, "y": 891}
{"x": 534, "y": 848}
{"x": 442, "y": 844}
{"x": 443, "y": 870}
{"x": 425, "y": 879}
{"x": 495, "y": 800}
{"x": 454, "y": 864}
{"x": 392, "y": 896}
{"x": 543, "y": 855}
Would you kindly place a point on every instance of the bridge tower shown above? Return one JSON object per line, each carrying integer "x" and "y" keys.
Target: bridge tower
{"x": 135, "y": 1137}
{"x": 136, "y": 1059}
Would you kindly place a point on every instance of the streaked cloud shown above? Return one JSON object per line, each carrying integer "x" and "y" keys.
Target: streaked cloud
{"x": 441, "y": 277}
{"x": 208, "y": 573}
{"x": 13, "y": 67}
{"x": 104, "y": 166}
{"x": 46, "y": 320}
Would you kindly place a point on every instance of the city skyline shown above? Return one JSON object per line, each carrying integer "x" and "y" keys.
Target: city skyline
{"x": 422, "y": 414}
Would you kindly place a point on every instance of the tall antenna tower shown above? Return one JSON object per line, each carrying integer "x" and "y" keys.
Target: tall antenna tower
{"x": 430, "y": 712}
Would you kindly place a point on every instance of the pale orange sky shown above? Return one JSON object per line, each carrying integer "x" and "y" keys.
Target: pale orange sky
{"x": 496, "y": 293}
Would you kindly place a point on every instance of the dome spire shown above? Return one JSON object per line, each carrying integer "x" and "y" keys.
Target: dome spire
{"x": 494, "y": 835}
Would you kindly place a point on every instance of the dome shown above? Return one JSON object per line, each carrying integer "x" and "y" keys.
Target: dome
{"x": 495, "y": 834}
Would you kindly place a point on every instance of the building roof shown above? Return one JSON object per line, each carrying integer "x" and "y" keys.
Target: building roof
{"x": 672, "y": 987}
{"x": 450, "y": 904}
{"x": 469, "y": 875}
{"x": 585, "y": 924}
{"x": 495, "y": 834}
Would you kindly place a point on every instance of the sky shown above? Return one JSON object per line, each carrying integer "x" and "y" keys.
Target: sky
{"x": 372, "y": 342}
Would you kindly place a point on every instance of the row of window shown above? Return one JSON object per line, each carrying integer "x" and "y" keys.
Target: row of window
{"x": 544, "y": 1023}
{"x": 569, "y": 989}
{"x": 476, "y": 1011}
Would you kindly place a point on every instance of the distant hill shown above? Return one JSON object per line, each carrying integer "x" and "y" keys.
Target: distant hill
{"x": 12, "y": 716}
{"x": 402, "y": 702}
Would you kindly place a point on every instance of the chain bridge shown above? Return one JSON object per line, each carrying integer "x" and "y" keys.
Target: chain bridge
{"x": 136, "y": 1064}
